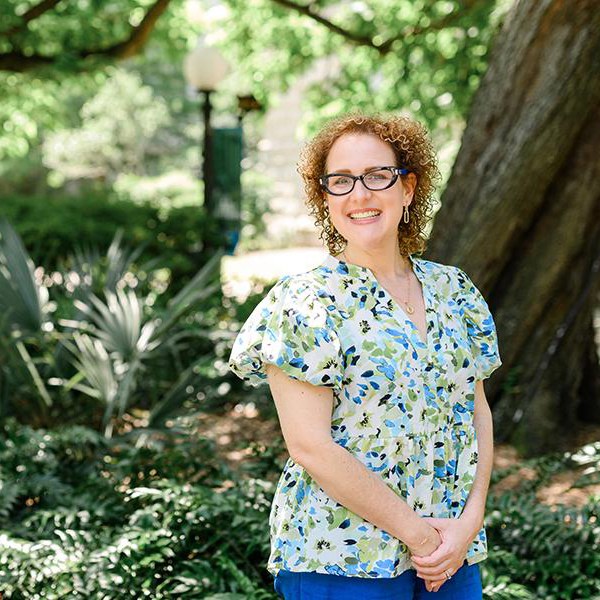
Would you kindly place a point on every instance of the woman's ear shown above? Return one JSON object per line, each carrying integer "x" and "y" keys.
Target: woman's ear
{"x": 409, "y": 183}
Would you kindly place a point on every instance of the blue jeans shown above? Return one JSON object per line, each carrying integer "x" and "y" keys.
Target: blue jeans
{"x": 465, "y": 584}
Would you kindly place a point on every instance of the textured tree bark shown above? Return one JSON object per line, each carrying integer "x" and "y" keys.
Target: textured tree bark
{"x": 521, "y": 215}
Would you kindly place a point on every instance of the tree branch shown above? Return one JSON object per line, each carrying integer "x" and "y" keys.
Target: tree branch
{"x": 447, "y": 21}
{"x": 33, "y": 13}
{"x": 139, "y": 34}
{"x": 386, "y": 46}
{"x": 19, "y": 62}
{"x": 309, "y": 12}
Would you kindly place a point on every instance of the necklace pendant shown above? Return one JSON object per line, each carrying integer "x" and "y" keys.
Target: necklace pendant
{"x": 409, "y": 309}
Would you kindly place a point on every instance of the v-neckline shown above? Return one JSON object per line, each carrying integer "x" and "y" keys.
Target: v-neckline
{"x": 414, "y": 333}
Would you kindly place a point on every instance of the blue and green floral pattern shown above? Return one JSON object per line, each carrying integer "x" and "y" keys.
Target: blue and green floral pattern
{"x": 403, "y": 407}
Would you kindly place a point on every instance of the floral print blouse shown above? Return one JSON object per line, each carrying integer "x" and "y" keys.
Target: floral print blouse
{"x": 403, "y": 407}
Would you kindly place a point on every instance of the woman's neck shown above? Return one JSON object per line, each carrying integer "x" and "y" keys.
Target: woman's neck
{"x": 386, "y": 265}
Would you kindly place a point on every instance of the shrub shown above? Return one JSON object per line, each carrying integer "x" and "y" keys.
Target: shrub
{"x": 52, "y": 227}
{"x": 540, "y": 550}
{"x": 109, "y": 520}
{"x": 112, "y": 345}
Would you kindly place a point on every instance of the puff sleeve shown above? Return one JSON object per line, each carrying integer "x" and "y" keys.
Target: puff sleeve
{"x": 290, "y": 328}
{"x": 481, "y": 329}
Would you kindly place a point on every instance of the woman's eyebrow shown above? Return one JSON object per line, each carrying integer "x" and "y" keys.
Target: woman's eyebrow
{"x": 366, "y": 170}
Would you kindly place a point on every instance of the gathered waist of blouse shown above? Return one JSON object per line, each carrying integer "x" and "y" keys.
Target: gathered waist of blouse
{"x": 451, "y": 428}
{"x": 429, "y": 426}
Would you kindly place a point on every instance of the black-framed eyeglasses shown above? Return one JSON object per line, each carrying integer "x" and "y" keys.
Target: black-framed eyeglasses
{"x": 377, "y": 179}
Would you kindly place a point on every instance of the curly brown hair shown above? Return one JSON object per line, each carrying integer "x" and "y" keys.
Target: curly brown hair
{"x": 414, "y": 151}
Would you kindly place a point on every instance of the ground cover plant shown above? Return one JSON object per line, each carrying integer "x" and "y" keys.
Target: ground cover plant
{"x": 546, "y": 547}
{"x": 87, "y": 517}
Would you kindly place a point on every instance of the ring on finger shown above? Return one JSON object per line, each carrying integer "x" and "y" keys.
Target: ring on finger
{"x": 447, "y": 574}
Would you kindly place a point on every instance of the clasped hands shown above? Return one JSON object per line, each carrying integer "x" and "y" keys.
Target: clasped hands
{"x": 448, "y": 557}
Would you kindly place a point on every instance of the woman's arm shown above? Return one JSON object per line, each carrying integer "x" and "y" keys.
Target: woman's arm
{"x": 304, "y": 413}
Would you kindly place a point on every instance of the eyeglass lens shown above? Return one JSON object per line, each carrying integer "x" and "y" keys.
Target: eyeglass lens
{"x": 374, "y": 180}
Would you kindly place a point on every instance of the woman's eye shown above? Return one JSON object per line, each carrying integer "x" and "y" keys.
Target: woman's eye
{"x": 376, "y": 176}
{"x": 340, "y": 181}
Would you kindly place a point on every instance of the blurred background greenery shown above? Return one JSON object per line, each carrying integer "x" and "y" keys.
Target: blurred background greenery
{"x": 132, "y": 462}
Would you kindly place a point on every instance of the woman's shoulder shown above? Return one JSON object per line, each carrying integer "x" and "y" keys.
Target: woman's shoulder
{"x": 450, "y": 281}
{"x": 437, "y": 270}
{"x": 307, "y": 288}
{"x": 310, "y": 280}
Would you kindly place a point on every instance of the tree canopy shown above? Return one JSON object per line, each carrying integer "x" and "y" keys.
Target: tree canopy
{"x": 423, "y": 57}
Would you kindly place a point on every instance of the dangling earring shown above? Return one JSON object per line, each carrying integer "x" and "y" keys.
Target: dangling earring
{"x": 405, "y": 215}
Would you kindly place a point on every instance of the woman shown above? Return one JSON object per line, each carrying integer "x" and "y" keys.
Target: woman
{"x": 376, "y": 361}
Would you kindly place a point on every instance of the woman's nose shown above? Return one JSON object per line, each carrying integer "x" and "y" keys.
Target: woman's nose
{"x": 360, "y": 191}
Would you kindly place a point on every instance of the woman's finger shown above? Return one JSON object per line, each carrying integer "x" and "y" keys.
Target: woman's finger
{"x": 435, "y": 558}
{"x": 431, "y": 572}
{"x": 433, "y": 585}
{"x": 450, "y": 568}
{"x": 432, "y": 562}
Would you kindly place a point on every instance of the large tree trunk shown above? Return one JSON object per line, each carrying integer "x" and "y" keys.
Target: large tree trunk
{"x": 521, "y": 215}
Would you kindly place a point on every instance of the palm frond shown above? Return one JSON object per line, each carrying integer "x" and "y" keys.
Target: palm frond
{"x": 119, "y": 261}
{"x": 173, "y": 400}
{"x": 119, "y": 324}
{"x": 201, "y": 286}
{"x": 96, "y": 271}
{"x": 33, "y": 371}
{"x": 22, "y": 301}
{"x": 94, "y": 363}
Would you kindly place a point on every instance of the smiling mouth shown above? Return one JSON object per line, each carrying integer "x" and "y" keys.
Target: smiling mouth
{"x": 368, "y": 214}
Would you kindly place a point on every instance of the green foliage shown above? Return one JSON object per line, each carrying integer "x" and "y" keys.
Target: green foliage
{"x": 49, "y": 96}
{"x": 32, "y": 106}
{"x": 99, "y": 344}
{"x": 86, "y": 517}
{"x": 173, "y": 189}
{"x": 22, "y": 302}
{"x": 53, "y": 226}
{"x": 68, "y": 27}
{"x": 553, "y": 552}
{"x": 117, "y": 132}
{"x": 111, "y": 520}
{"x": 422, "y": 57}
{"x": 37, "y": 468}
{"x": 400, "y": 55}
{"x": 542, "y": 551}
{"x": 256, "y": 189}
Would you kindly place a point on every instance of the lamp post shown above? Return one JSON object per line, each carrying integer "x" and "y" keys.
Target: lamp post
{"x": 204, "y": 68}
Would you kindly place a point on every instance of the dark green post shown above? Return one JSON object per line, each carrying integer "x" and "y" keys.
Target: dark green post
{"x": 227, "y": 185}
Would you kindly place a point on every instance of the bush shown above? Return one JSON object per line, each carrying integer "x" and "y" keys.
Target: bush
{"x": 539, "y": 550}
{"x": 94, "y": 333}
{"x": 86, "y": 517}
{"x": 93, "y": 519}
{"x": 53, "y": 226}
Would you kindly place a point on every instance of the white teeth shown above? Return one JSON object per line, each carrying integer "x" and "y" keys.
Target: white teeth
{"x": 365, "y": 215}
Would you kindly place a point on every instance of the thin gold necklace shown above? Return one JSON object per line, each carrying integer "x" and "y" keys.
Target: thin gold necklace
{"x": 407, "y": 306}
